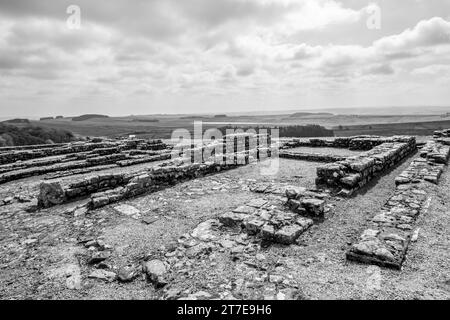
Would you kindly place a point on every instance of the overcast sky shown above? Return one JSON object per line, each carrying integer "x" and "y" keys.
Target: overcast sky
{"x": 184, "y": 56}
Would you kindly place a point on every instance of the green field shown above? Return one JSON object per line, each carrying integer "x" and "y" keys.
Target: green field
{"x": 343, "y": 125}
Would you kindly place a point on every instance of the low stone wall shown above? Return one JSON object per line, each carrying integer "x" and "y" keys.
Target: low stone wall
{"x": 34, "y": 171}
{"x": 97, "y": 154}
{"x": 362, "y": 143}
{"x": 389, "y": 234}
{"x": 156, "y": 179}
{"x": 108, "y": 188}
{"x": 442, "y": 134}
{"x": 31, "y": 147}
{"x": 30, "y": 164}
{"x": 429, "y": 167}
{"x": 109, "y": 159}
{"x": 386, "y": 240}
{"x": 354, "y": 172}
{"x": 316, "y": 142}
{"x": 100, "y": 148}
{"x": 10, "y": 157}
{"x": 435, "y": 151}
{"x": 141, "y": 160}
{"x": 421, "y": 169}
{"x": 368, "y": 143}
{"x": 315, "y": 157}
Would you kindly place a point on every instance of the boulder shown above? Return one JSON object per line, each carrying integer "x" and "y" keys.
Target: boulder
{"x": 156, "y": 271}
{"x": 50, "y": 193}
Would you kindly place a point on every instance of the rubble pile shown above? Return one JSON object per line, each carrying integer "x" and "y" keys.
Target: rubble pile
{"x": 274, "y": 219}
{"x": 263, "y": 218}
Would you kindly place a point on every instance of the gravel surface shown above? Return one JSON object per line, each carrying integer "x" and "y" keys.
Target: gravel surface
{"x": 42, "y": 254}
{"x": 327, "y": 151}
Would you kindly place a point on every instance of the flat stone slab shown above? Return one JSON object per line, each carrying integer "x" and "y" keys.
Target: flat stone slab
{"x": 128, "y": 210}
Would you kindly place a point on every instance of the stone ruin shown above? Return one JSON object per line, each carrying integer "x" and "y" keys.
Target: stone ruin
{"x": 386, "y": 241}
{"x": 279, "y": 213}
{"x": 80, "y": 157}
{"x": 188, "y": 162}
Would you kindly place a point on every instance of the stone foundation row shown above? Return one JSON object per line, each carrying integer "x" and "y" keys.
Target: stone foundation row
{"x": 54, "y": 166}
{"x": 436, "y": 151}
{"x": 362, "y": 143}
{"x": 386, "y": 241}
{"x": 421, "y": 170}
{"x": 32, "y": 147}
{"x": 354, "y": 172}
{"x": 442, "y": 134}
{"x": 158, "y": 178}
{"x": 315, "y": 157}
{"x": 109, "y": 188}
{"x": 107, "y": 147}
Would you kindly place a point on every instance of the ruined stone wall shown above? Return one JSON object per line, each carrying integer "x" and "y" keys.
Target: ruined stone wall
{"x": 316, "y": 157}
{"x": 21, "y": 155}
{"x": 83, "y": 156}
{"x": 100, "y": 148}
{"x": 157, "y": 178}
{"x": 363, "y": 143}
{"x": 106, "y": 189}
{"x": 442, "y": 134}
{"x": 31, "y": 147}
{"x": 354, "y": 172}
{"x": 386, "y": 240}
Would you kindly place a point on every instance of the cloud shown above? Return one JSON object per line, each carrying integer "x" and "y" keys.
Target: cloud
{"x": 179, "y": 51}
{"x": 432, "y": 70}
{"x": 427, "y": 33}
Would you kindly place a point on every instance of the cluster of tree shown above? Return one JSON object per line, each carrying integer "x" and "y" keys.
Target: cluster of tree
{"x": 88, "y": 117}
{"x": 305, "y": 114}
{"x": 310, "y": 130}
{"x": 296, "y": 131}
{"x": 145, "y": 120}
{"x": 17, "y": 121}
{"x": 29, "y": 135}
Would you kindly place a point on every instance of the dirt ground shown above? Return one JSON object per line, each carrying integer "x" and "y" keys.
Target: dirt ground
{"x": 328, "y": 151}
{"x": 43, "y": 256}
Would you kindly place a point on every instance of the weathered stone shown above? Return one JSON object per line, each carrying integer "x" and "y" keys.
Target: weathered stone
{"x": 128, "y": 211}
{"x": 268, "y": 232}
{"x": 288, "y": 234}
{"x": 99, "y": 256}
{"x": 204, "y": 232}
{"x": 103, "y": 275}
{"x": 50, "y": 193}
{"x": 231, "y": 219}
{"x": 127, "y": 274}
{"x": 313, "y": 206}
{"x": 156, "y": 271}
{"x": 254, "y": 226}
